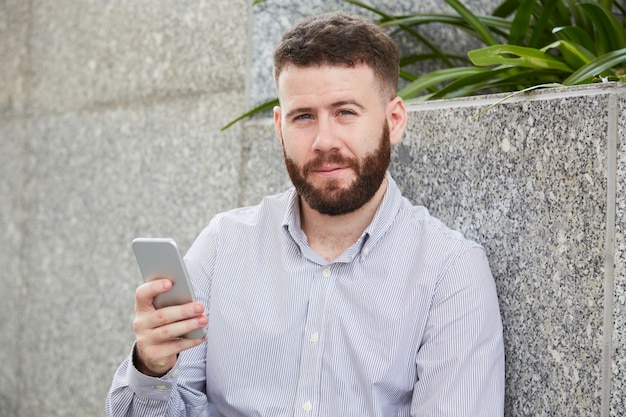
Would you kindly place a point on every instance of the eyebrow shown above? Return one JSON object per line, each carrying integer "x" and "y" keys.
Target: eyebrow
{"x": 337, "y": 104}
{"x": 347, "y": 102}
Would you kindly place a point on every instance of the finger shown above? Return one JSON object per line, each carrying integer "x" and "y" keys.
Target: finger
{"x": 167, "y": 315}
{"x": 145, "y": 293}
{"x": 173, "y": 321}
{"x": 178, "y": 329}
{"x": 153, "y": 343}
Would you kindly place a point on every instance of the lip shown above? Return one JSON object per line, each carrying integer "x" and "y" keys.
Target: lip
{"x": 330, "y": 170}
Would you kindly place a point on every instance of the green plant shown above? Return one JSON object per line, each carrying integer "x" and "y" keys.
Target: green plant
{"x": 527, "y": 44}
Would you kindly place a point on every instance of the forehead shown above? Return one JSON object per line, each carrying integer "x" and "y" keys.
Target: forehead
{"x": 326, "y": 82}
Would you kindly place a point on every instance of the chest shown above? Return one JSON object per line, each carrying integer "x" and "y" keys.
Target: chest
{"x": 292, "y": 325}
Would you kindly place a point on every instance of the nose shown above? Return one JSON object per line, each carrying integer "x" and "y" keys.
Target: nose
{"x": 326, "y": 138}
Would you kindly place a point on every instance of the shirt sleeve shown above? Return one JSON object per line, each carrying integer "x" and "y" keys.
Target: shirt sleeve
{"x": 460, "y": 363}
{"x": 178, "y": 393}
{"x": 182, "y": 391}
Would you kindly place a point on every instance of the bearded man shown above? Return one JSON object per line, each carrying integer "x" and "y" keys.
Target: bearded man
{"x": 337, "y": 297}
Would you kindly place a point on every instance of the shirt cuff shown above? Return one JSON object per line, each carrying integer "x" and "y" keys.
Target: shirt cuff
{"x": 149, "y": 387}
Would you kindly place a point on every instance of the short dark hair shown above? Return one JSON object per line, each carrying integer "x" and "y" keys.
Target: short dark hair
{"x": 340, "y": 39}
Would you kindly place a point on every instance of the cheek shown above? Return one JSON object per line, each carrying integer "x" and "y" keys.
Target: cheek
{"x": 295, "y": 148}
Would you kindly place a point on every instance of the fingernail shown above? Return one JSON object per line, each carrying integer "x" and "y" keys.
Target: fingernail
{"x": 198, "y": 308}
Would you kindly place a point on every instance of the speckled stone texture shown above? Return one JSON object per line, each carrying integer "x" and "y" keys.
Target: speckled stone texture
{"x": 110, "y": 121}
{"x": 96, "y": 181}
{"x": 12, "y": 173}
{"x": 618, "y": 397}
{"x": 528, "y": 180}
{"x": 89, "y": 54}
{"x": 263, "y": 169}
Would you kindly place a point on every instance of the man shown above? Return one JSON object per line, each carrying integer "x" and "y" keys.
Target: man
{"x": 337, "y": 297}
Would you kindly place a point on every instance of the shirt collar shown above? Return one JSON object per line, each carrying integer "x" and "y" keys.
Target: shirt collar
{"x": 291, "y": 219}
{"x": 381, "y": 222}
{"x": 383, "y": 219}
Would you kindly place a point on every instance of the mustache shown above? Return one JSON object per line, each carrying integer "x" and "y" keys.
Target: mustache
{"x": 329, "y": 158}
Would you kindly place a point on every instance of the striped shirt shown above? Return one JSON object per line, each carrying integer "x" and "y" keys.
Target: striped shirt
{"x": 404, "y": 323}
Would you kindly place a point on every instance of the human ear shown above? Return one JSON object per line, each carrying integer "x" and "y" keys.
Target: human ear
{"x": 397, "y": 119}
{"x": 278, "y": 124}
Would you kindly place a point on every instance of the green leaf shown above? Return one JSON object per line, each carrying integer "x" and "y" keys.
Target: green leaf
{"x": 607, "y": 3}
{"x": 497, "y": 25}
{"x": 506, "y": 8}
{"x": 436, "y": 78}
{"x": 386, "y": 17}
{"x": 597, "y": 67}
{"x": 574, "y": 54}
{"x": 577, "y": 35}
{"x": 609, "y": 31}
{"x": 517, "y": 78}
{"x": 370, "y": 8}
{"x": 518, "y": 56}
{"x": 470, "y": 83}
{"x": 407, "y": 75}
{"x": 473, "y": 21}
{"x": 562, "y": 16}
{"x": 521, "y": 22}
{"x": 580, "y": 19}
{"x": 255, "y": 2}
{"x": 412, "y": 59}
{"x": 546, "y": 12}
{"x": 258, "y": 109}
{"x": 436, "y": 51}
{"x": 421, "y": 19}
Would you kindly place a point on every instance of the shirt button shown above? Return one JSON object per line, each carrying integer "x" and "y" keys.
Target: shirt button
{"x": 315, "y": 337}
{"x": 174, "y": 373}
{"x": 307, "y": 406}
{"x": 326, "y": 273}
{"x": 161, "y": 387}
{"x": 366, "y": 251}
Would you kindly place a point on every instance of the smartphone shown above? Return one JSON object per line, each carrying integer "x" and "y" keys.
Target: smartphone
{"x": 160, "y": 258}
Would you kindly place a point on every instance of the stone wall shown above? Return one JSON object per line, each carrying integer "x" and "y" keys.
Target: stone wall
{"x": 540, "y": 181}
{"x": 109, "y": 129}
{"x": 110, "y": 116}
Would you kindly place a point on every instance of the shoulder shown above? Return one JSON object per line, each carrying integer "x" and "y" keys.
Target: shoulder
{"x": 427, "y": 233}
{"x": 268, "y": 213}
{"x": 416, "y": 226}
{"x": 457, "y": 262}
{"x": 240, "y": 226}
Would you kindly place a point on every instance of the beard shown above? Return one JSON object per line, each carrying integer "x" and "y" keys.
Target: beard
{"x": 331, "y": 198}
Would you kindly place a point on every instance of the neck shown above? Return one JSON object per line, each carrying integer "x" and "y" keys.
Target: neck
{"x": 329, "y": 235}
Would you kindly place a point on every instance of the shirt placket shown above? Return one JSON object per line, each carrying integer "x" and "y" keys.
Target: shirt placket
{"x": 308, "y": 391}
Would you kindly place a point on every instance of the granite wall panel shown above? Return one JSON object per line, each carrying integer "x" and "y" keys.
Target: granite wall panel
{"x": 97, "y": 180}
{"x": 528, "y": 180}
{"x": 88, "y": 54}
{"x": 263, "y": 171}
{"x": 12, "y": 173}
{"x": 109, "y": 129}
{"x": 618, "y": 359}
{"x": 14, "y": 56}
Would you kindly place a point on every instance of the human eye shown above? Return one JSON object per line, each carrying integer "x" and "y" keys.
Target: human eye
{"x": 304, "y": 116}
{"x": 346, "y": 114}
